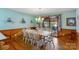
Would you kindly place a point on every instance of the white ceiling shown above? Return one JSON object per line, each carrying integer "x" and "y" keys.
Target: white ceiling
{"x": 42, "y": 11}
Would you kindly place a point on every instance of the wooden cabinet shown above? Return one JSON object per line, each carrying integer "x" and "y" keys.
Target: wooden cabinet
{"x": 67, "y": 38}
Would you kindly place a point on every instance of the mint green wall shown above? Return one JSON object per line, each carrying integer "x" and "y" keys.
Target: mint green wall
{"x": 67, "y": 15}
{"x": 16, "y": 18}
{"x": 77, "y": 13}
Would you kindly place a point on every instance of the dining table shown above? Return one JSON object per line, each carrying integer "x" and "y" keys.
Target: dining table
{"x": 44, "y": 34}
{"x": 40, "y": 32}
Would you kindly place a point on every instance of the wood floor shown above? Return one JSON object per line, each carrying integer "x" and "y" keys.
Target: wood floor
{"x": 66, "y": 40}
{"x": 18, "y": 45}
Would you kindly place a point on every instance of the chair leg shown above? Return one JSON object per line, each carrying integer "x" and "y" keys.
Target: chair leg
{"x": 53, "y": 44}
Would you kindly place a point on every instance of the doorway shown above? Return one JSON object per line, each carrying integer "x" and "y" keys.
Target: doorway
{"x": 53, "y": 23}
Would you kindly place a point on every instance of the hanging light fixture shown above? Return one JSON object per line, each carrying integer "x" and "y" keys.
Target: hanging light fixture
{"x": 39, "y": 19}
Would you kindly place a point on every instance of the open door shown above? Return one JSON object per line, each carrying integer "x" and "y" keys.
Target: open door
{"x": 55, "y": 24}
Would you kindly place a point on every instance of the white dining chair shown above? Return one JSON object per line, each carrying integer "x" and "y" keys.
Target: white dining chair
{"x": 24, "y": 34}
{"x": 49, "y": 40}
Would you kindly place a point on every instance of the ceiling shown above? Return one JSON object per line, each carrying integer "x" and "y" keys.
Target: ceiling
{"x": 42, "y": 11}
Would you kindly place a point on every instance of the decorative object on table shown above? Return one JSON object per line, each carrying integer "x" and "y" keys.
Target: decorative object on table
{"x": 71, "y": 21}
{"x": 9, "y": 20}
{"x": 23, "y": 21}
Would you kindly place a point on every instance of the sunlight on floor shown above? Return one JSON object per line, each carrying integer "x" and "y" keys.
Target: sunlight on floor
{"x": 56, "y": 43}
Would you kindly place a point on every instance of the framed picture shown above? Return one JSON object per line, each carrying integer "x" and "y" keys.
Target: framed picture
{"x": 71, "y": 21}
